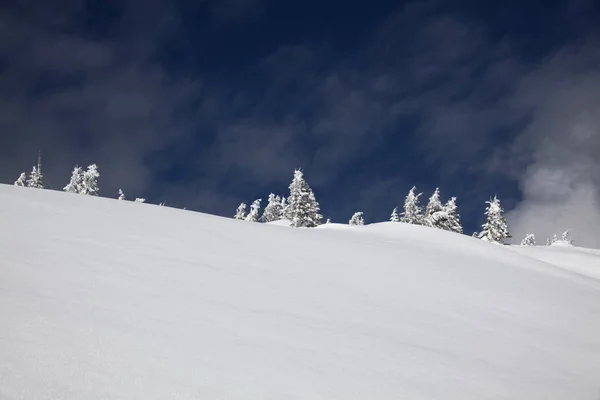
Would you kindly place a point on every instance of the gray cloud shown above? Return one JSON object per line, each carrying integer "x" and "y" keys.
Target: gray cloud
{"x": 562, "y": 181}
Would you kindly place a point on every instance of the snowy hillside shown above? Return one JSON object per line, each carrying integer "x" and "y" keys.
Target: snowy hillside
{"x": 107, "y": 299}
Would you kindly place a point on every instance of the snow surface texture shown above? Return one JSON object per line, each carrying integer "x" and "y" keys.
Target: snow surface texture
{"x": 107, "y": 299}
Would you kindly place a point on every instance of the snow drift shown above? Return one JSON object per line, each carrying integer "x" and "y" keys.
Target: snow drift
{"x": 106, "y": 299}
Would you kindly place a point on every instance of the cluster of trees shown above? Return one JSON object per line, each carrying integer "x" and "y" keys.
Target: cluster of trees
{"x": 82, "y": 181}
{"x": 435, "y": 215}
{"x": 565, "y": 239}
{"x": 302, "y": 210}
{"x": 300, "y": 207}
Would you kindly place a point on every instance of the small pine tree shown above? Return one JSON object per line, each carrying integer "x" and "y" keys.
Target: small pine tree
{"x": 89, "y": 183}
{"x": 548, "y": 242}
{"x": 413, "y": 212}
{"x": 566, "y": 237}
{"x": 75, "y": 185}
{"x": 274, "y": 210}
{"x": 357, "y": 219}
{"x": 529, "y": 240}
{"x": 240, "y": 212}
{"x": 254, "y": 211}
{"x": 21, "y": 180}
{"x": 495, "y": 229}
{"x": 554, "y": 238}
{"x": 302, "y": 209}
{"x": 395, "y": 217}
{"x": 328, "y": 221}
{"x": 36, "y": 179}
{"x": 121, "y": 195}
{"x": 434, "y": 206}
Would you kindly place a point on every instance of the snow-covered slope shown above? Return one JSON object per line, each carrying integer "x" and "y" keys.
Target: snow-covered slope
{"x": 106, "y": 299}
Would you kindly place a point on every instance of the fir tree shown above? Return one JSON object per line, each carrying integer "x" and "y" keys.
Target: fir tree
{"x": 36, "y": 179}
{"x": 274, "y": 209}
{"x": 328, "y": 221}
{"x": 529, "y": 240}
{"x": 240, "y": 212}
{"x": 548, "y": 242}
{"x": 554, "y": 238}
{"x": 357, "y": 219}
{"x": 121, "y": 195}
{"x": 302, "y": 209}
{"x": 395, "y": 217}
{"x": 75, "y": 185}
{"x": 495, "y": 229}
{"x": 413, "y": 212}
{"x": 254, "y": 211}
{"x": 567, "y": 238}
{"x": 89, "y": 182}
{"x": 21, "y": 180}
{"x": 453, "y": 223}
{"x": 434, "y": 206}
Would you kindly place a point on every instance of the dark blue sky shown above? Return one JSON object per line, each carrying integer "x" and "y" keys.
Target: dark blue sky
{"x": 205, "y": 104}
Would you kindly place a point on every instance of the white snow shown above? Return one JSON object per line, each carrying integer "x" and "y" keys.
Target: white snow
{"x": 107, "y": 299}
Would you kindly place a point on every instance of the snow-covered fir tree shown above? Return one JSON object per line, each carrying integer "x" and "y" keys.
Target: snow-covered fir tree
{"x": 75, "y": 185}
{"x": 36, "y": 179}
{"x": 448, "y": 218}
{"x": 548, "y": 242}
{"x": 89, "y": 182}
{"x": 554, "y": 238}
{"x": 357, "y": 219}
{"x": 495, "y": 229}
{"x": 566, "y": 237}
{"x": 274, "y": 209}
{"x": 302, "y": 209}
{"x": 21, "y": 180}
{"x": 121, "y": 195}
{"x": 434, "y": 206}
{"x": 240, "y": 212}
{"x": 328, "y": 221}
{"x": 254, "y": 211}
{"x": 529, "y": 240}
{"x": 413, "y": 212}
{"x": 395, "y": 217}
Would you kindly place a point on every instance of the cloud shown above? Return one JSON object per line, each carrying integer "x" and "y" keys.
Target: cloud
{"x": 561, "y": 182}
{"x": 83, "y": 97}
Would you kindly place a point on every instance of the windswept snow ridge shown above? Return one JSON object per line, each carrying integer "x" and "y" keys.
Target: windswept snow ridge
{"x": 106, "y": 299}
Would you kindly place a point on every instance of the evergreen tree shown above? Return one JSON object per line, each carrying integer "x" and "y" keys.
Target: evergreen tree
{"x": 567, "y": 238}
{"x": 554, "y": 239}
{"x": 302, "y": 209}
{"x": 274, "y": 209}
{"x": 434, "y": 206}
{"x": 413, "y": 212}
{"x": 121, "y": 195}
{"x": 495, "y": 229}
{"x": 395, "y": 217}
{"x": 241, "y": 212}
{"x": 357, "y": 219}
{"x": 448, "y": 218}
{"x": 75, "y": 185}
{"x": 89, "y": 182}
{"x": 21, "y": 180}
{"x": 548, "y": 242}
{"x": 36, "y": 179}
{"x": 529, "y": 240}
{"x": 254, "y": 211}
{"x": 328, "y": 221}
{"x": 453, "y": 223}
